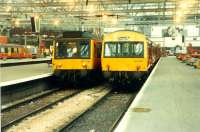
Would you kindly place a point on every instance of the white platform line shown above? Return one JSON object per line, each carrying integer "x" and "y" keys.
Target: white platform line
{"x": 7, "y": 83}
{"x": 23, "y": 61}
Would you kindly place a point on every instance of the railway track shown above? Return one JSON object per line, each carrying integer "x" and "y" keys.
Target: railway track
{"x": 96, "y": 109}
{"x": 17, "y": 103}
{"x": 74, "y": 106}
{"x": 17, "y": 112}
{"x": 104, "y": 115}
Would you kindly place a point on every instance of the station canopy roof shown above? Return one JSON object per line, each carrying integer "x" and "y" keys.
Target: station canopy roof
{"x": 72, "y": 14}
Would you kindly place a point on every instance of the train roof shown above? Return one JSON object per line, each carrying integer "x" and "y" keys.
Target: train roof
{"x": 124, "y": 35}
{"x": 77, "y": 34}
{"x": 127, "y": 31}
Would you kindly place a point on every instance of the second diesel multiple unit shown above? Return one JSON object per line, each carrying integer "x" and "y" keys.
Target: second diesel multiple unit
{"x": 76, "y": 55}
{"x": 127, "y": 55}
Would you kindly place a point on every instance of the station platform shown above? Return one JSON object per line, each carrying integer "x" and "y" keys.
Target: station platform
{"x": 13, "y": 62}
{"x": 22, "y": 73}
{"x": 23, "y": 60}
{"x": 169, "y": 101}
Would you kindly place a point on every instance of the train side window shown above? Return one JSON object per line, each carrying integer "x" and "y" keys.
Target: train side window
{"x": 126, "y": 49}
{"x": 110, "y": 49}
{"x": 6, "y": 50}
{"x": 70, "y": 49}
{"x": 12, "y": 50}
{"x": 2, "y": 50}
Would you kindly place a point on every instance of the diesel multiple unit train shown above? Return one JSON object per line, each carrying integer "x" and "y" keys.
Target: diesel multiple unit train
{"x": 76, "y": 55}
{"x": 127, "y": 55}
{"x": 122, "y": 55}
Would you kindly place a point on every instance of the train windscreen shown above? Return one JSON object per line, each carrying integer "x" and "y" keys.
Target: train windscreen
{"x": 124, "y": 49}
{"x": 72, "y": 49}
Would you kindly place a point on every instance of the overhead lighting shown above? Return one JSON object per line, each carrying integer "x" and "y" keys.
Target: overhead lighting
{"x": 8, "y": 8}
{"x": 56, "y": 22}
{"x": 184, "y": 4}
{"x": 36, "y": 16}
{"x": 104, "y": 17}
{"x": 91, "y": 8}
{"x": 17, "y": 23}
{"x": 179, "y": 13}
{"x": 179, "y": 20}
{"x": 114, "y": 21}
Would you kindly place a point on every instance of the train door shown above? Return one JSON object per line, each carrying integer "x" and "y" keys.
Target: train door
{"x": 99, "y": 48}
{"x": 15, "y": 52}
{"x": 97, "y": 54}
{"x": 150, "y": 52}
{"x": 12, "y": 52}
{"x": 20, "y": 52}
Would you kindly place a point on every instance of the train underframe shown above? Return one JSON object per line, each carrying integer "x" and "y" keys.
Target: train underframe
{"x": 124, "y": 76}
{"x": 75, "y": 76}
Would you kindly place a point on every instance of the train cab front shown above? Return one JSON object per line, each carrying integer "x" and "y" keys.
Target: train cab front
{"x": 72, "y": 58}
{"x": 124, "y": 61}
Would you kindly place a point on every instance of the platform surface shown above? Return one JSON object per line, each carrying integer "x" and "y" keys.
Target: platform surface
{"x": 23, "y": 60}
{"x": 170, "y": 98}
{"x": 23, "y": 71}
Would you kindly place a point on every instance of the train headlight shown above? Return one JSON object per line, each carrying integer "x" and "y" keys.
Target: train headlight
{"x": 59, "y": 65}
{"x": 84, "y": 65}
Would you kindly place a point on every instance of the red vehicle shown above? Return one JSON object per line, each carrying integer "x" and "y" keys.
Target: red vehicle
{"x": 13, "y": 51}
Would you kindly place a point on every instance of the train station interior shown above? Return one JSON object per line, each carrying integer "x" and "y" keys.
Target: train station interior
{"x": 100, "y": 65}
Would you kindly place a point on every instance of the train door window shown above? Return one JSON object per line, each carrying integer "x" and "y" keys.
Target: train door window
{"x": 126, "y": 47}
{"x": 6, "y": 50}
{"x": 84, "y": 48}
